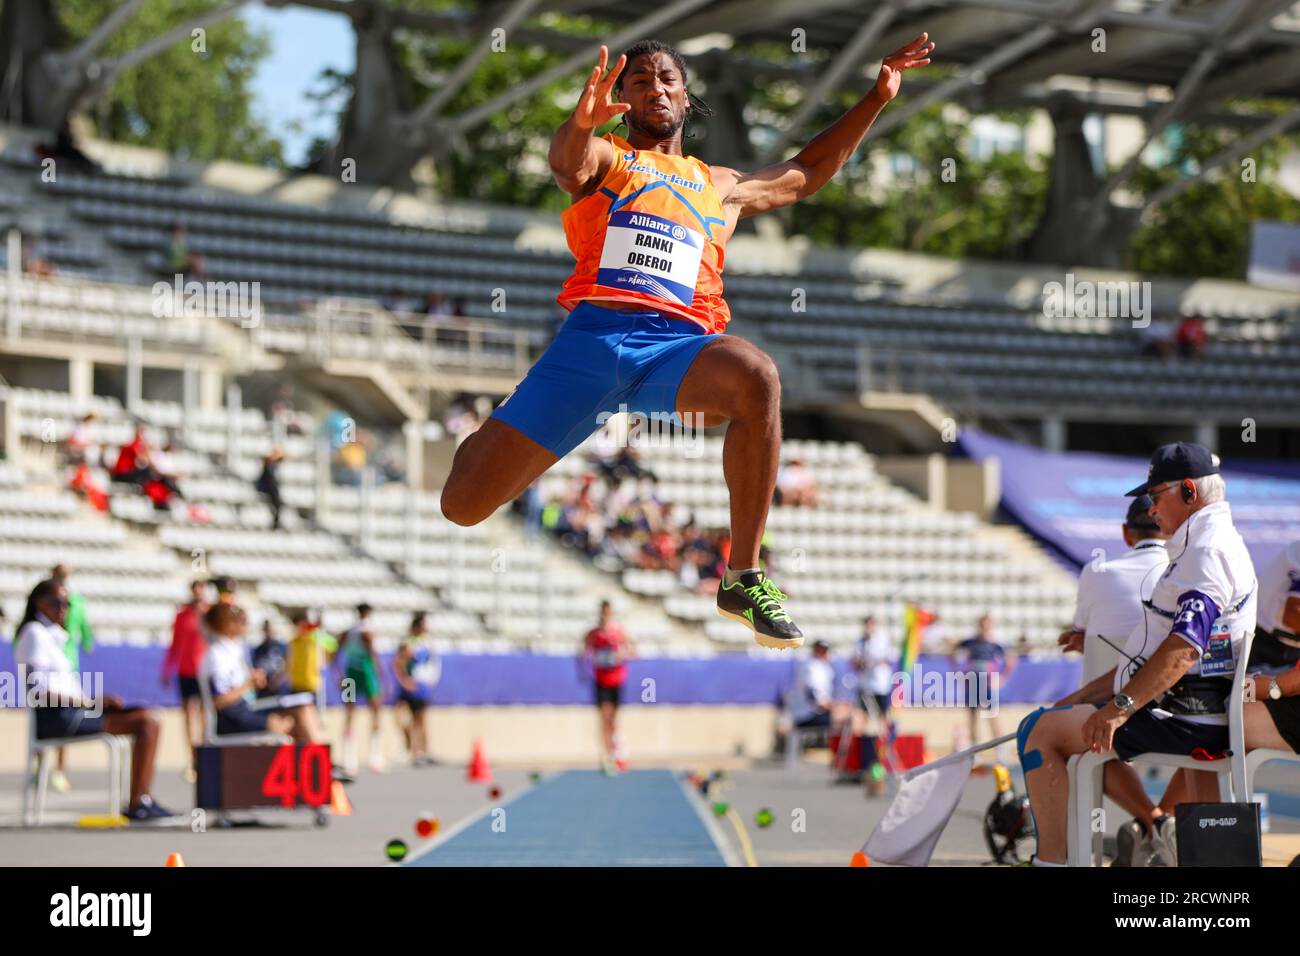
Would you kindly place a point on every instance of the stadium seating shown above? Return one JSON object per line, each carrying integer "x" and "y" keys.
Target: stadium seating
{"x": 1015, "y": 360}
{"x": 868, "y": 547}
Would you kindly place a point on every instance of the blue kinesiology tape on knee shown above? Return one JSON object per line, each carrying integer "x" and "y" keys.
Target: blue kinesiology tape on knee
{"x": 1034, "y": 758}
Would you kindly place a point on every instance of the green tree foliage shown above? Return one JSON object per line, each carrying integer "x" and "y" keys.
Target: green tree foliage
{"x": 1206, "y": 229}
{"x": 195, "y": 105}
{"x": 920, "y": 188}
{"x": 504, "y": 159}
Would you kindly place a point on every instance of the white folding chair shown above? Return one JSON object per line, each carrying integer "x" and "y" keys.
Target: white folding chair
{"x": 213, "y": 739}
{"x": 1262, "y": 756}
{"x": 38, "y": 750}
{"x": 1087, "y": 773}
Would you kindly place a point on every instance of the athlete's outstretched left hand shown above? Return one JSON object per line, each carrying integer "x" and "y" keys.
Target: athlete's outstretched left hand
{"x": 917, "y": 53}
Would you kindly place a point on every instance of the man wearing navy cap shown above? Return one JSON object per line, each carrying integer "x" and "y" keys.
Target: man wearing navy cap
{"x": 1176, "y": 669}
{"x": 1108, "y": 604}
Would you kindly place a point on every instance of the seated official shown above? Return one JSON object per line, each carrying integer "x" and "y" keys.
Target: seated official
{"x": 1172, "y": 687}
{"x": 66, "y": 711}
{"x": 234, "y": 684}
{"x": 1276, "y": 648}
{"x": 814, "y": 689}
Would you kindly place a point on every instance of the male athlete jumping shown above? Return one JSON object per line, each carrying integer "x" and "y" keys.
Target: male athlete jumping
{"x": 646, "y": 323}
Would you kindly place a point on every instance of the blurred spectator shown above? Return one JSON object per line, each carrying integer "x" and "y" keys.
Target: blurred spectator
{"x": 268, "y": 484}
{"x": 66, "y": 711}
{"x": 65, "y": 152}
{"x": 83, "y": 481}
{"x": 417, "y": 670}
{"x": 133, "y": 458}
{"x": 349, "y": 464}
{"x": 389, "y": 463}
{"x": 226, "y": 588}
{"x": 874, "y": 661}
{"x": 34, "y": 264}
{"x": 814, "y": 688}
{"x": 530, "y": 507}
{"x": 80, "y": 445}
{"x": 1191, "y": 336}
{"x": 465, "y": 415}
{"x": 458, "y": 307}
{"x": 182, "y": 662}
{"x": 1159, "y": 338}
{"x": 163, "y": 461}
{"x": 402, "y": 302}
{"x": 981, "y": 654}
{"x": 80, "y": 638}
{"x": 284, "y": 417}
{"x": 271, "y": 658}
{"x": 435, "y": 306}
{"x": 77, "y": 624}
{"x": 179, "y": 258}
{"x": 359, "y": 662}
{"x": 136, "y": 465}
{"x": 795, "y": 485}
{"x": 606, "y": 650}
{"x": 309, "y": 651}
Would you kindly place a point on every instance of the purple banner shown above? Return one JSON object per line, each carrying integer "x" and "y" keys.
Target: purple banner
{"x": 132, "y": 673}
{"x": 1074, "y": 501}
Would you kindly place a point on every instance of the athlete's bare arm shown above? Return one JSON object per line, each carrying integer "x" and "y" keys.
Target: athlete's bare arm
{"x": 772, "y": 187}
{"x": 579, "y": 161}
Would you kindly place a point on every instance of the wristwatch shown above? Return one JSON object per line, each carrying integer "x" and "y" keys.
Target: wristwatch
{"x": 1274, "y": 689}
{"x": 1125, "y": 703}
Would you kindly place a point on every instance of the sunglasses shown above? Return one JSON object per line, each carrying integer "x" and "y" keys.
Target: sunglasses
{"x": 1154, "y": 494}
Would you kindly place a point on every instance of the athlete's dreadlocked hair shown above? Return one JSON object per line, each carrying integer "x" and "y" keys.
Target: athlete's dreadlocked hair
{"x": 694, "y": 104}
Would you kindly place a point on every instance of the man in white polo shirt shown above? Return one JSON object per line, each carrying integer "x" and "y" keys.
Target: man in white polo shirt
{"x": 813, "y": 695}
{"x": 1111, "y": 591}
{"x": 1176, "y": 669}
{"x": 1108, "y": 608}
{"x": 1276, "y": 648}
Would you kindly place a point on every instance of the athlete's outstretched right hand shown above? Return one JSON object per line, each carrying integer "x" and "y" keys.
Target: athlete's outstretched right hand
{"x": 594, "y": 108}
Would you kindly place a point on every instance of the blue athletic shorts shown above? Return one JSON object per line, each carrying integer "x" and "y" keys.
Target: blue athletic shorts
{"x": 601, "y": 359}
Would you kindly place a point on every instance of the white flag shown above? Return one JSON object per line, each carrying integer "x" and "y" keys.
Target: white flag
{"x": 911, "y": 827}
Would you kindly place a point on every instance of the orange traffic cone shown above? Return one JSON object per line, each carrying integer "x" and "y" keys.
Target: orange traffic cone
{"x": 339, "y": 804}
{"x": 859, "y": 859}
{"x": 479, "y": 771}
{"x": 174, "y": 859}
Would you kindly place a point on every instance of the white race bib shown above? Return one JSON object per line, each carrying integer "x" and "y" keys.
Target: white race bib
{"x": 651, "y": 255}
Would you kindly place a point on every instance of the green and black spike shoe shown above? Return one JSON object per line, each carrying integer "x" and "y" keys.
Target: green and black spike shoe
{"x": 756, "y": 602}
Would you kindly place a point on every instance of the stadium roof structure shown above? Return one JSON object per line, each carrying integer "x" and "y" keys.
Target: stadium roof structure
{"x": 1166, "y": 61}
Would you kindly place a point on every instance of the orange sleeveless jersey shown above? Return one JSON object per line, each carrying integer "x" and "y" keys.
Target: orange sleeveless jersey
{"x": 651, "y": 235}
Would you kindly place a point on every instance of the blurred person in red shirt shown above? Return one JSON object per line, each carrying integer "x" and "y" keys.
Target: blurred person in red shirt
{"x": 606, "y": 650}
{"x": 1191, "y": 336}
{"x": 182, "y": 662}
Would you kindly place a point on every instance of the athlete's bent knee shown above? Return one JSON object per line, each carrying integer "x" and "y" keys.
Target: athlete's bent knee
{"x": 763, "y": 383}
{"x": 458, "y": 510}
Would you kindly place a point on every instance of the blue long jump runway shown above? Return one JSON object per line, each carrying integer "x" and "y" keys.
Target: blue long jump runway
{"x": 583, "y": 818}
